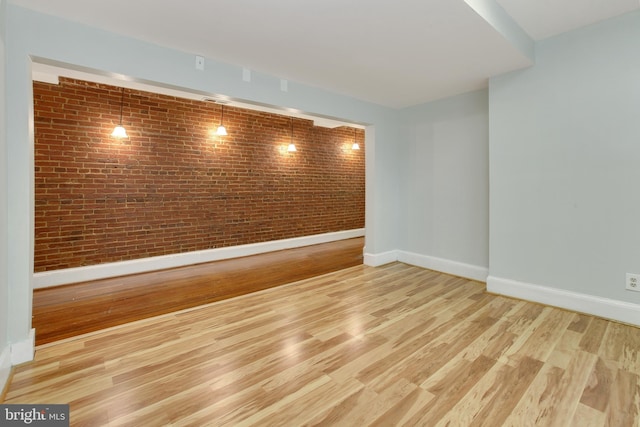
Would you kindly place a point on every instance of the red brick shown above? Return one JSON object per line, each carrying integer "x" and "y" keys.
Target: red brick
{"x": 174, "y": 186}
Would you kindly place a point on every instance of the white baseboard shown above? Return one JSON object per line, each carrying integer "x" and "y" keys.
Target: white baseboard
{"x": 376, "y": 260}
{"x": 102, "y": 271}
{"x": 23, "y": 351}
{"x": 597, "y": 306}
{"x": 5, "y": 367}
{"x": 455, "y": 268}
{"x": 15, "y": 354}
{"x": 442, "y": 265}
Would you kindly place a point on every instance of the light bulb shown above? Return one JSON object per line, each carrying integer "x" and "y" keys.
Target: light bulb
{"x": 119, "y": 132}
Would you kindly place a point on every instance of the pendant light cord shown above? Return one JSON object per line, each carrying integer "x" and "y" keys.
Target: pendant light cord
{"x": 121, "y": 103}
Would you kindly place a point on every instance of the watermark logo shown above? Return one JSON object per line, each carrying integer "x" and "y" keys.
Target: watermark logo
{"x": 34, "y": 415}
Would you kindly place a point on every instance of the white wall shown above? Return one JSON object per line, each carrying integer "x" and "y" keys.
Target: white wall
{"x": 565, "y": 171}
{"x": 445, "y": 175}
{"x": 50, "y": 39}
{"x": 4, "y": 287}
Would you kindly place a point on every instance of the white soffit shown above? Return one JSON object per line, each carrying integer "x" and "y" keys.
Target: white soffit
{"x": 395, "y": 54}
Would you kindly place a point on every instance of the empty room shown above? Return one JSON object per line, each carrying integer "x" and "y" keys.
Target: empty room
{"x": 288, "y": 213}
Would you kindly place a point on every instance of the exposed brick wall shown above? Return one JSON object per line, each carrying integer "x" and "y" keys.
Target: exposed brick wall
{"x": 174, "y": 186}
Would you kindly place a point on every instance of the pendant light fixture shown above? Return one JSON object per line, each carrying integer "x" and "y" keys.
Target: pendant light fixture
{"x": 355, "y": 145}
{"x": 292, "y": 146}
{"x": 221, "y": 129}
{"x": 119, "y": 131}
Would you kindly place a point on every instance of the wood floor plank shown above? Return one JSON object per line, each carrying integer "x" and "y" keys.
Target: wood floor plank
{"x": 597, "y": 392}
{"x": 494, "y": 396}
{"x": 624, "y": 406}
{"x": 622, "y": 344}
{"x": 389, "y": 346}
{"x": 338, "y": 414}
{"x": 586, "y": 416}
{"x": 489, "y": 345}
{"x": 593, "y": 334}
{"x": 369, "y": 407}
{"x": 553, "y": 396}
{"x": 543, "y": 334}
{"x": 450, "y": 389}
{"x": 305, "y": 404}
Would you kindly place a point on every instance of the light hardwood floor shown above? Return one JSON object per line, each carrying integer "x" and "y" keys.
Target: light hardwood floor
{"x": 387, "y": 346}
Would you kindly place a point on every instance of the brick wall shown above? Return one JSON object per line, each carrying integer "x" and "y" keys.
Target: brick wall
{"x": 174, "y": 186}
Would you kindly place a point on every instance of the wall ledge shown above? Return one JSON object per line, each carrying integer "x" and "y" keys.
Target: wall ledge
{"x": 620, "y": 311}
{"x": 103, "y": 271}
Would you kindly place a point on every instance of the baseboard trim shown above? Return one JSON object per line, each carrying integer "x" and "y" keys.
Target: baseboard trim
{"x": 5, "y": 370}
{"x": 443, "y": 265}
{"x": 597, "y": 306}
{"x": 103, "y": 271}
{"x": 23, "y": 351}
{"x": 376, "y": 260}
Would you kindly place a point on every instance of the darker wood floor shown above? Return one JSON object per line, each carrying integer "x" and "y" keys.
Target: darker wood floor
{"x": 71, "y": 310}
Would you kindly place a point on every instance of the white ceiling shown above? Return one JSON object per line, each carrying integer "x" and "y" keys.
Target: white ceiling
{"x": 397, "y": 54}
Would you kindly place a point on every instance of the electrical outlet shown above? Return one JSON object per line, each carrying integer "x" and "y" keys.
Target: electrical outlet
{"x": 633, "y": 282}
